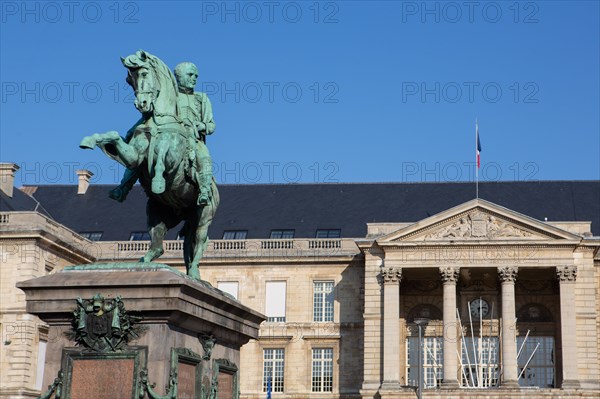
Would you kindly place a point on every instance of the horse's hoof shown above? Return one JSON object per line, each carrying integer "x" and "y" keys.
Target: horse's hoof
{"x": 158, "y": 185}
{"x": 88, "y": 143}
{"x": 117, "y": 194}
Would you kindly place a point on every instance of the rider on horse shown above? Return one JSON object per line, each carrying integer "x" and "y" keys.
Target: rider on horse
{"x": 195, "y": 113}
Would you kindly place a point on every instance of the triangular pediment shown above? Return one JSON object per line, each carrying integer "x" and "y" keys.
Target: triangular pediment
{"x": 478, "y": 220}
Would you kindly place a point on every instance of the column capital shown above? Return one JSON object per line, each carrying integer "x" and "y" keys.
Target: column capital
{"x": 391, "y": 274}
{"x": 566, "y": 274}
{"x": 449, "y": 274}
{"x": 508, "y": 273}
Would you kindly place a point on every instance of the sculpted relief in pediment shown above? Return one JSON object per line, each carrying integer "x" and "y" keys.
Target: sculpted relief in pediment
{"x": 477, "y": 226}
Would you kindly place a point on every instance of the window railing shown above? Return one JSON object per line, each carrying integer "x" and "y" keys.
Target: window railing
{"x": 229, "y": 244}
{"x": 326, "y": 243}
{"x": 133, "y": 246}
{"x": 277, "y": 244}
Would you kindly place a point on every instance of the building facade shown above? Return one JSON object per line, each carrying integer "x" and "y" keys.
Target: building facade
{"x": 487, "y": 300}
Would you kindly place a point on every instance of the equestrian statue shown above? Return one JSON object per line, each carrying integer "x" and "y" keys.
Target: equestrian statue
{"x": 166, "y": 151}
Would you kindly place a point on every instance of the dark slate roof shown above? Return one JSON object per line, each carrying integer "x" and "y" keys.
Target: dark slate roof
{"x": 20, "y": 202}
{"x": 307, "y": 207}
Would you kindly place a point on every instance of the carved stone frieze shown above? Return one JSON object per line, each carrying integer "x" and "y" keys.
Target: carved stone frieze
{"x": 459, "y": 229}
{"x": 508, "y": 273}
{"x": 478, "y": 225}
{"x": 449, "y": 274}
{"x": 566, "y": 273}
{"x": 391, "y": 274}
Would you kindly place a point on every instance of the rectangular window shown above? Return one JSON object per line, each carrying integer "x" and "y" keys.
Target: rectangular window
{"x": 322, "y": 370}
{"x": 480, "y": 359}
{"x": 230, "y": 287}
{"x": 540, "y": 369}
{"x": 282, "y": 234}
{"x": 328, "y": 233}
{"x": 91, "y": 235}
{"x": 139, "y": 236}
{"x": 273, "y": 361}
{"x": 275, "y": 301}
{"x": 323, "y": 301}
{"x": 235, "y": 234}
{"x": 432, "y": 361}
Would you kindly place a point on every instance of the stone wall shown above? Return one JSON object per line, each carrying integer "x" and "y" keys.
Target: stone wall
{"x": 31, "y": 245}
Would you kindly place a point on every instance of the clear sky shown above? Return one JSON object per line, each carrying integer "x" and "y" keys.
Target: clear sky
{"x": 349, "y": 91}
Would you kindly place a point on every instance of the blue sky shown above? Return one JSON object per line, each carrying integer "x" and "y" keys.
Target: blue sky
{"x": 348, "y": 91}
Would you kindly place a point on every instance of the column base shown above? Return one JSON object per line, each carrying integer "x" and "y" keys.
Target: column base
{"x": 510, "y": 385}
{"x": 452, "y": 384}
{"x": 570, "y": 384}
{"x": 370, "y": 385}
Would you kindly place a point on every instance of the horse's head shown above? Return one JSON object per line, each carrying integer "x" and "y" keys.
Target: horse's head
{"x": 148, "y": 75}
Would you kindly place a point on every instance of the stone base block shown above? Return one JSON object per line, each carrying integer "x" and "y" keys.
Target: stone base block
{"x": 570, "y": 384}
{"x": 186, "y": 338}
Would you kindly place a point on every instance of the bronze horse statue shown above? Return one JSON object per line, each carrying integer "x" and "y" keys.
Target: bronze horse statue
{"x": 158, "y": 151}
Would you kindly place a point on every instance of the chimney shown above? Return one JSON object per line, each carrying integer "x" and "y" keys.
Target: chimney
{"x": 84, "y": 180}
{"x": 7, "y": 177}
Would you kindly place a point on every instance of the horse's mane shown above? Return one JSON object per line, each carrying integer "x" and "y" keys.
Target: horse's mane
{"x": 144, "y": 59}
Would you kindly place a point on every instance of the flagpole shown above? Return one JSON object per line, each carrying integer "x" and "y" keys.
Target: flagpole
{"x": 476, "y": 162}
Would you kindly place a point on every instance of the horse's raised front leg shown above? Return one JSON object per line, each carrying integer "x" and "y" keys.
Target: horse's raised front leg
{"x": 111, "y": 143}
{"x": 89, "y": 142}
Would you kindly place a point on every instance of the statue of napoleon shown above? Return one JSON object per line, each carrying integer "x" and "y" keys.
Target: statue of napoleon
{"x": 195, "y": 112}
{"x": 166, "y": 150}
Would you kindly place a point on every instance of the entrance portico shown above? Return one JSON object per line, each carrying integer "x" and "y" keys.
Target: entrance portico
{"x": 499, "y": 291}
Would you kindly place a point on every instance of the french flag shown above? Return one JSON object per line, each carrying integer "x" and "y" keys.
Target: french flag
{"x": 478, "y": 145}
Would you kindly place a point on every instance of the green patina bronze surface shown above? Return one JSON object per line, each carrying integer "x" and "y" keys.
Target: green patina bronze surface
{"x": 131, "y": 266}
{"x": 143, "y": 267}
{"x": 166, "y": 150}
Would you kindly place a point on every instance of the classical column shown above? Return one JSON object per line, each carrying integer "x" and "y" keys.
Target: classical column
{"x": 568, "y": 325}
{"x": 449, "y": 278}
{"x": 508, "y": 275}
{"x": 391, "y": 277}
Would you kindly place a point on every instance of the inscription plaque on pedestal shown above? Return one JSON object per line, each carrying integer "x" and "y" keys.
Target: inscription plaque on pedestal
{"x": 186, "y": 381}
{"x": 106, "y": 378}
{"x": 93, "y": 375}
{"x": 188, "y": 365}
{"x": 226, "y": 373}
{"x": 225, "y": 385}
